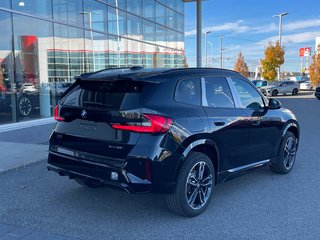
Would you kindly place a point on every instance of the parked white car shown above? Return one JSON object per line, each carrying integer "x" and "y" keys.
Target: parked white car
{"x": 28, "y": 88}
{"x": 284, "y": 87}
{"x": 306, "y": 86}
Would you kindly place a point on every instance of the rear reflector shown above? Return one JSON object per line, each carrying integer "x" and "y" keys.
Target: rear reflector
{"x": 149, "y": 124}
{"x": 56, "y": 114}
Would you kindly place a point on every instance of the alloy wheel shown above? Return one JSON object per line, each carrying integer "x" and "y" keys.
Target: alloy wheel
{"x": 289, "y": 152}
{"x": 199, "y": 185}
{"x": 25, "y": 106}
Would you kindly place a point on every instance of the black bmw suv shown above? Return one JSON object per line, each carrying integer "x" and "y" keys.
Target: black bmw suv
{"x": 173, "y": 131}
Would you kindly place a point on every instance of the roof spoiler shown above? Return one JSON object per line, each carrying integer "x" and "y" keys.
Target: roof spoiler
{"x": 134, "y": 73}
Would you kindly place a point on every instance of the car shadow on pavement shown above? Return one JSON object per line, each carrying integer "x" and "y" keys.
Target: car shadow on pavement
{"x": 98, "y": 202}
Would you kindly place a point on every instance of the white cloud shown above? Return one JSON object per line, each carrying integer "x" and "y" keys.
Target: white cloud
{"x": 303, "y": 24}
{"x": 272, "y": 27}
{"x": 240, "y": 27}
{"x": 237, "y": 27}
{"x": 292, "y": 26}
{"x": 295, "y": 38}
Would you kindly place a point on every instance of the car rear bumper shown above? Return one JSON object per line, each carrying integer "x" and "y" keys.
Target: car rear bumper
{"x": 75, "y": 167}
{"x": 113, "y": 173}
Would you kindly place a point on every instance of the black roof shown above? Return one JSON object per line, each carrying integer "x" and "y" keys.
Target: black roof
{"x": 151, "y": 74}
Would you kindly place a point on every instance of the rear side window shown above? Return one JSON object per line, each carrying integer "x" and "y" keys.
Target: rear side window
{"x": 188, "y": 92}
{"x": 111, "y": 95}
{"x": 218, "y": 93}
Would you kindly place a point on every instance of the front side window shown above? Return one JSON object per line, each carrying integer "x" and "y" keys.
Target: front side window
{"x": 218, "y": 93}
{"x": 249, "y": 97}
{"x": 188, "y": 92}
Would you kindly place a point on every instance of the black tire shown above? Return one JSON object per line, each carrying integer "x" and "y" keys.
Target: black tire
{"x": 295, "y": 91}
{"x": 24, "y": 106}
{"x": 193, "y": 192}
{"x": 88, "y": 183}
{"x": 287, "y": 154}
{"x": 274, "y": 93}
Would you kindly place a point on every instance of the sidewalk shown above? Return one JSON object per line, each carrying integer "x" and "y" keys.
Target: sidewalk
{"x": 24, "y": 146}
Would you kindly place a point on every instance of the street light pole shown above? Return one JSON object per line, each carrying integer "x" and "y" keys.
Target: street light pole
{"x": 222, "y": 57}
{"x": 199, "y": 32}
{"x": 206, "y": 46}
{"x": 221, "y": 54}
{"x": 211, "y": 45}
{"x": 280, "y": 33}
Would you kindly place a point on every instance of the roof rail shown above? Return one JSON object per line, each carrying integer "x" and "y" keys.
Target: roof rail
{"x": 201, "y": 68}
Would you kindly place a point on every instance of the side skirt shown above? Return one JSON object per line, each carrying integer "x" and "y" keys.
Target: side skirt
{"x": 239, "y": 171}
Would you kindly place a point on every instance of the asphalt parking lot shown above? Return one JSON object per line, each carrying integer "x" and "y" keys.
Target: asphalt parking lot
{"x": 258, "y": 205}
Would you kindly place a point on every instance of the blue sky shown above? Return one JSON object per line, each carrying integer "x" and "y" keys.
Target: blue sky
{"x": 248, "y": 26}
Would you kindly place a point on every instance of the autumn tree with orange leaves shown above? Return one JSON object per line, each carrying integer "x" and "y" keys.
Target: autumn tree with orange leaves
{"x": 274, "y": 58}
{"x": 315, "y": 70}
{"x": 241, "y": 66}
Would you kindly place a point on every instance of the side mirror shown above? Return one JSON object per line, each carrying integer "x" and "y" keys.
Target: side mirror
{"x": 274, "y": 104}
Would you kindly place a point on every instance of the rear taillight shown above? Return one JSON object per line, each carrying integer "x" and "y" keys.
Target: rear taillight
{"x": 56, "y": 114}
{"x": 148, "y": 124}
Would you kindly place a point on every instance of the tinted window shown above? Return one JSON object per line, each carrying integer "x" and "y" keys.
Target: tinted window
{"x": 118, "y": 95}
{"x": 188, "y": 91}
{"x": 218, "y": 93}
{"x": 248, "y": 95}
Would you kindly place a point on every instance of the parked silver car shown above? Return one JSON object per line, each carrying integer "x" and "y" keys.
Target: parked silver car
{"x": 284, "y": 87}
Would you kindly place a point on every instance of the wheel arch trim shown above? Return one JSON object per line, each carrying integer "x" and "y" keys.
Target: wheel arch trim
{"x": 199, "y": 142}
{"x": 192, "y": 146}
{"x": 289, "y": 125}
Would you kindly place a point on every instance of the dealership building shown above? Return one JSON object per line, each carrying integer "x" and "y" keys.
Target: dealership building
{"x": 45, "y": 43}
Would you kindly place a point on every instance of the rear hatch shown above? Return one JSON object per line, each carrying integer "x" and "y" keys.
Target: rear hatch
{"x": 102, "y": 117}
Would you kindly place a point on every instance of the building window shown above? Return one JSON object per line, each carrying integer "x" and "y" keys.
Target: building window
{"x": 95, "y": 16}
{"x": 161, "y": 13}
{"x": 7, "y": 84}
{"x": 40, "y": 8}
{"x": 68, "y": 12}
{"x": 33, "y": 39}
{"x": 79, "y": 36}
{"x": 134, "y": 6}
{"x": 5, "y": 3}
{"x": 117, "y": 21}
{"x": 149, "y": 9}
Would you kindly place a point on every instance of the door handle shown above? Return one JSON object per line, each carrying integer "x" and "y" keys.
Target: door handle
{"x": 219, "y": 123}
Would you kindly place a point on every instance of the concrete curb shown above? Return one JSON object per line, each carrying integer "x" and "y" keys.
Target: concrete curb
{"x": 21, "y": 125}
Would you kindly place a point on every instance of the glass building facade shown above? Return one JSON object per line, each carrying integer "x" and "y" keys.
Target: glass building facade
{"x": 45, "y": 43}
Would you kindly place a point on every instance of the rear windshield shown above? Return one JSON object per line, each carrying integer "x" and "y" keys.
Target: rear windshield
{"x": 119, "y": 95}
